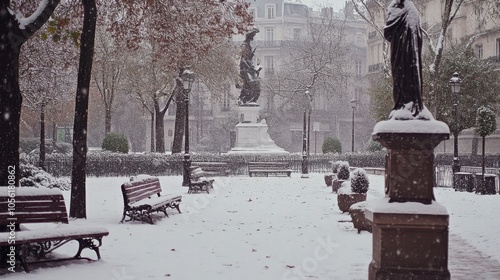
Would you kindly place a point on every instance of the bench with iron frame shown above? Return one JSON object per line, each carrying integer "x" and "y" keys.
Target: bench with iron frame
{"x": 269, "y": 168}
{"x": 142, "y": 197}
{"x": 213, "y": 168}
{"x": 198, "y": 181}
{"x": 20, "y": 245}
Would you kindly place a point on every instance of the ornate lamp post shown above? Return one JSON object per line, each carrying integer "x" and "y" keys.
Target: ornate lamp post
{"x": 353, "y": 105}
{"x": 305, "y": 169}
{"x": 454, "y": 83}
{"x": 187, "y": 82}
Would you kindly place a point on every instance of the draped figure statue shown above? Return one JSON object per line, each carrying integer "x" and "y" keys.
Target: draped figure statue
{"x": 404, "y": 32}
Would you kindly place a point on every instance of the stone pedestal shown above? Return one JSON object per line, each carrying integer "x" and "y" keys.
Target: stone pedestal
{"x": 410, "y": 229}
{"x": 253, "y": 136}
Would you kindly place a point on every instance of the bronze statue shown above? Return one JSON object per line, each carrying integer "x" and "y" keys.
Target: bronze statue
{"x": 250, "y": 91}
{"x": 404, "y": 32}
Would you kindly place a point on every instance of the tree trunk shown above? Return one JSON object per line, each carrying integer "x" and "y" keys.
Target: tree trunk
{"x": 152, "y": 131}
{"x": 11, "y": 40}
{"x": 179, "y": 126}
{"x": 107, "y": 120}
{"x": 41, "y": 160}
{"x": 159, "y": 129}
{"x": 309, "y": 131}
{"x": 78, "y": 196}
{"x": 483, "y": 166}
{"x": 10, "y": 107}
{"x": 475, "y": 144}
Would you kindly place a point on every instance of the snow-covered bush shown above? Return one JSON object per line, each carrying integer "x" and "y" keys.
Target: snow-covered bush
{"x": 32, "y": 176}
{"x": 343, "y": 173}
{"x": 359, "y": 181}
{"x": 336, "y": 166}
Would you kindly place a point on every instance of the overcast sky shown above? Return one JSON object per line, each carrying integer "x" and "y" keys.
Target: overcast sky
{"x": 316, "y": 4}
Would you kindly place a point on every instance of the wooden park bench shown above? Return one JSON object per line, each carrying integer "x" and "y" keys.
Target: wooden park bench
{"x": 213, "y": 168}
{"x": 28, "y": 205}
{"x": 142, "y": 197}
{"x": 269, "y": 168}
{"x": 199, "y": 182}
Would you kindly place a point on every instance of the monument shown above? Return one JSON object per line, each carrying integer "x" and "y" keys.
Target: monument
{"x": 251, "y": 134}
{"x": 410, "y": 229}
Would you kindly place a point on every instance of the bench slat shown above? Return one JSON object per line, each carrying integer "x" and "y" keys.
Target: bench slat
{"x": 33, "y": 205}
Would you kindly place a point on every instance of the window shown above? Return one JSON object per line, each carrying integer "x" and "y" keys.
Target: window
{"x": 269, "y": 65}
{"x": 357, "y": 96}
{"x": 358, "y": 67}
{"x": 270, "y": 11}
{"x": 479, "y": 51}
{"x": 253, "y": 13}
{"x": 296, "y": 34}
{"x": 270, "y": 34}
{"x": 170, "y": 133}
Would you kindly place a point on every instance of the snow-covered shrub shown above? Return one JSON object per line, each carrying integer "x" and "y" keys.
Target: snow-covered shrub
{"x": 32, "y": 176}
{"x": 359, "y": 181}
{"x": 336, "y": 166}
{"x": 343, "y": 173}
{"x": 115, "y": 142}
{"x": 345, "y": 188}
{"x": 485, "y": 121}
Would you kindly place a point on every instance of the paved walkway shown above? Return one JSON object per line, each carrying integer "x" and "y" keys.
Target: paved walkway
{"x": 466, "y": 262}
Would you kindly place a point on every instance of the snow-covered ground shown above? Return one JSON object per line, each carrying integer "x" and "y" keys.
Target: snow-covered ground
{"x": 259, "y": 228}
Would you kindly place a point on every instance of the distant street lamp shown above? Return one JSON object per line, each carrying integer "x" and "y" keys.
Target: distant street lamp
{"x": 187, "y": 82}
{"x": 455, "y": 83}
{"x": 305, "y": 169}
{"x": 353, "y": 105}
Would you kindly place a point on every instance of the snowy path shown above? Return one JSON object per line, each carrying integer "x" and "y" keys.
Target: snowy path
{"x": 261, "y": 228}
{"x": 465, "y": 262}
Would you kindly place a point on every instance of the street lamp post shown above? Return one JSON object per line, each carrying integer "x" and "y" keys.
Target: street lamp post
{"x": 187, "y": 82}
{"x": 305, "y": 169}
{"x": 353, "y": 105}
{"x": 455, "y": 83}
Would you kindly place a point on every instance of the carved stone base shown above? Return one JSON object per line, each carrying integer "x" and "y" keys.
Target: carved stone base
{"x": 410, "y": 241}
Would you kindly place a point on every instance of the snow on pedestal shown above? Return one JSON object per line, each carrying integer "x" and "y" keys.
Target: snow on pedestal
{"x": 252, "y": 136}
{"x": 410, "y": 229}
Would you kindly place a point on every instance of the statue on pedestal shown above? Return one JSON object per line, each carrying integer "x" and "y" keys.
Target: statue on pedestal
{"x": 404, "y": 32}
{"x": 250, "y": 91}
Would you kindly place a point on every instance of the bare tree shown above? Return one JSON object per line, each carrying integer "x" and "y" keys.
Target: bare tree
{"x": 180, "y": 33}
{"x": 108, "y": 73}
{"x": 46, "y": 75}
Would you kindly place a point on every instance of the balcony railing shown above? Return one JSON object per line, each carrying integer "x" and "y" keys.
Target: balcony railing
{"x": 495, "y": 60}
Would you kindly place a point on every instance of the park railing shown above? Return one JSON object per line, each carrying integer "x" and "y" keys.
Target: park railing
{"x": 101, "y": 164}
{"x": 444, "y": 173}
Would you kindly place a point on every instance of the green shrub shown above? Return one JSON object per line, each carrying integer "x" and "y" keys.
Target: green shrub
{"x": 343, "y": 171}
{"x": 332, "y": 145}
{"x": 115, "y": 142}
{"x": 374, "y": 147}
{"x": 359, "y": 181}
